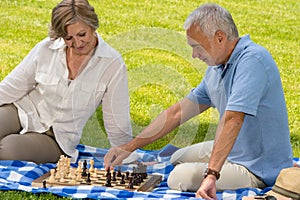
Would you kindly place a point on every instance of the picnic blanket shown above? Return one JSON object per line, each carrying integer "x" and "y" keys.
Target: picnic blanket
{"x": 18, "y": 175}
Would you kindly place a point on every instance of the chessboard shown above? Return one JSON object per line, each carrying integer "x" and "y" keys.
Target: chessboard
{"x": 65, "y": 175}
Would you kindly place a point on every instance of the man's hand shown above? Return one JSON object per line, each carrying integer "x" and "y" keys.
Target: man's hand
{"x": 115, "y": 156}
{"x": 208, "y": 188}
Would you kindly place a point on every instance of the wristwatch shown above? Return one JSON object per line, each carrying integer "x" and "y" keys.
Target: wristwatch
{"x": 212, "y": 172}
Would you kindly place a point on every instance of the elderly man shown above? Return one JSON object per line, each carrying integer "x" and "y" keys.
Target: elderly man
{"x": 252, "y": 142}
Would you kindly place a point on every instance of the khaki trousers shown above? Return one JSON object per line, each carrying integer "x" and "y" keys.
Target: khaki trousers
{"x": 191, "y": 163}
{"x": 31, "y": 146}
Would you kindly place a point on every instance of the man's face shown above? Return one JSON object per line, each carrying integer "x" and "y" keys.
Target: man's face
{"x": 205, "y": 48}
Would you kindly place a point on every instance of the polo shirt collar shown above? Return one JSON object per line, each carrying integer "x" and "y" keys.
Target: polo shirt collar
{"x": 242, "y": 44}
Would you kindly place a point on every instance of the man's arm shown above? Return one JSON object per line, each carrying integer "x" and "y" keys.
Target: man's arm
{"x": 167, "y": 121}
{"x": 226, "y": 134}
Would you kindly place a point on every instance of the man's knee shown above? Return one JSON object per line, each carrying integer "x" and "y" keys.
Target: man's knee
{"x": 199, "y": 152}
{"x": 186, "y": 176}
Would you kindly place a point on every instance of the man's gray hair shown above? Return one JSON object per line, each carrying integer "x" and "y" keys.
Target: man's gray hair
{"x": 212, "y": 18}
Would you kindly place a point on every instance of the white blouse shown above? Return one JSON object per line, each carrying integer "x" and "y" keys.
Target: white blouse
{"x": 40, "y": 89}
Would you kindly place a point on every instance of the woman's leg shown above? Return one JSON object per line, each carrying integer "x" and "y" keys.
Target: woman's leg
{"x": 9, "y": 120}
{"x": 35, "y": 147}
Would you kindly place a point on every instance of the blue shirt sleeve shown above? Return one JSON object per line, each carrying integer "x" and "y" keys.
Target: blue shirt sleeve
{"x": 199, "y": 94}
{"x": 249, "y": 85}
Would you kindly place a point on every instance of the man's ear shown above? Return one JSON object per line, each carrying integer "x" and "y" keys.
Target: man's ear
{"x": 220, "y": 36}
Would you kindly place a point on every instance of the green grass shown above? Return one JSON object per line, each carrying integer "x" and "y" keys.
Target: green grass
{"x": 150, "y": 37}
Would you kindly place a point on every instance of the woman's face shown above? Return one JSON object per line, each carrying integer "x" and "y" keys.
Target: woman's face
{"x": 81, "y": 38}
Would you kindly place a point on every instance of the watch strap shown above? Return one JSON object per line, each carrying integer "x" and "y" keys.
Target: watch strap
{"x": 212, "y": 172}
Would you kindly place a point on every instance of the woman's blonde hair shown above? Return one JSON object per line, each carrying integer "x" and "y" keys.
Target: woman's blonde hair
{"x": 68, "y": 12}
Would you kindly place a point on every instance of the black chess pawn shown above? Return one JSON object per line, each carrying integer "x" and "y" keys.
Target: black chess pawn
{"x": 139, "y": 178}
{"x": 144, "y": 175}
{"x": 88, "y": 179}
{"x": 107, "y": 172}
{"x": 44, "y": 184}
{"x": 119, "y": 174}
{"x": 130, "y": 184}
{"x": 122, "y": 181}
{"x": 84, "y": 164}
{"x": 114, "y": 176}
{"x": 127, "y": 175}
{"x": 108, "y": 176}
{"x": 84, "y": 173}
{"x": 108, "y": 183}
{"x": 108, "y": 180}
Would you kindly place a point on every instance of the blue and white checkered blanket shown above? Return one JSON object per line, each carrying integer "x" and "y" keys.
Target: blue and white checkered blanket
{"x": 18, "y": 175}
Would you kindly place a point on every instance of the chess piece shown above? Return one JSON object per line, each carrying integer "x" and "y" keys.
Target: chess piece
{"x": 95, "y": 173}
{"x": 108, "y": 180}
{"x": 127, "y": 175}
{"x": 44, "y": 184}
{"x": 92, "y": 162}
{"x": 52, "y": 176}
{"x": 84, "y": 164}
{"x": 122, "y": 181}
{"x": 130, "y": 184}
{"x": 88, "y": 179}
{"x": 78, "y": 177}
{"x": 119, "y": 174}
{"x": 108, "y": 183}
{"x": 79, "y": 168}
{"x": 107, "y": 172}
{"x": 71, "y": 173}
{"x": 108, "y": 176}
{"x": 114, "y": 176}
{"x": 73, "y": 181}
{"x": 84, "y": 173}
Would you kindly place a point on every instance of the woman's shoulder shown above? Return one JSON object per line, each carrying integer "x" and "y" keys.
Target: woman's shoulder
{"x": 106, "y": 50}
{"x": 49, "y": 43}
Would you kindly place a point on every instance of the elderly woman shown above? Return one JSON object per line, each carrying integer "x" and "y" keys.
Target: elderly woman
{"x": 48, "y": 98}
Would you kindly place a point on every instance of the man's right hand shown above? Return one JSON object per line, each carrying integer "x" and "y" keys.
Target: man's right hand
{"x": 115, "y": 156}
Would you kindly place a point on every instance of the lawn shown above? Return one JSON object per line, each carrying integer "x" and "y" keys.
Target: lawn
{"x": 150, "y": 36}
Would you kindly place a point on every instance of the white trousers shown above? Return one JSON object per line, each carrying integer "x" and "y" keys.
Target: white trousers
{"x": 191, "y": 163}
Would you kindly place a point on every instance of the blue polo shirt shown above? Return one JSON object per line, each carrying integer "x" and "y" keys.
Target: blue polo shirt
{"x": 250, "y": 83}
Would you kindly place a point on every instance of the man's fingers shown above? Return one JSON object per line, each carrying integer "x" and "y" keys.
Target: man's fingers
{"x": 109, "y": 158}
{"x": 117, "y": 161}
{"x": 114, "y": 157}
{"x": 202, "y": 195}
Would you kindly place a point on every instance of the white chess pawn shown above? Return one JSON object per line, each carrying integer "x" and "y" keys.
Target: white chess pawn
{"x": 78, "y": 177}
{"x": 94, "y": 175}
{"x": 79, "y": 168}
{"x": 52, "y": 176}
{"x": 92, "y": 162}
{"x": 73, "y": 181}
{"x": 71, "y": 173}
